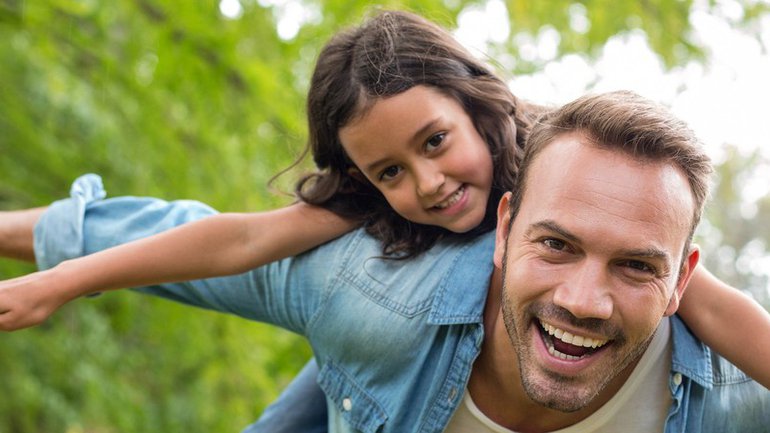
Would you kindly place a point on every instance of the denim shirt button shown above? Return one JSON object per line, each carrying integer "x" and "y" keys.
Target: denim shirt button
{"x": 347, "y": 404}
{"x": 677, "y": 379}
{"x": 452, "y": 394}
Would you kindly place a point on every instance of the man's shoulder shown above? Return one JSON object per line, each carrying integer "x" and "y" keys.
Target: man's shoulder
{"x": 735, "y": 403}
{"x": 694, "y": 359}
{"x": 720, "y": 397}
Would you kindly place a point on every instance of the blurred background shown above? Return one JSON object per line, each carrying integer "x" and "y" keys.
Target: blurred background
{"x": 205, "y": 100}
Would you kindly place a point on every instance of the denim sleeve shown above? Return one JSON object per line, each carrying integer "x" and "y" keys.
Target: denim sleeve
{"x": 86, "y": 222}
{"x": 301, "y": 408}
{"x": 283, "y": 293}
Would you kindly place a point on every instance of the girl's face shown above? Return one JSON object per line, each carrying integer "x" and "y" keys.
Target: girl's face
{"x": 421, "y": 150}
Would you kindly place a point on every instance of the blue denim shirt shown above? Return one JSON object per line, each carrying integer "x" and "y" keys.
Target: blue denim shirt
{"x": 394, "y": 340}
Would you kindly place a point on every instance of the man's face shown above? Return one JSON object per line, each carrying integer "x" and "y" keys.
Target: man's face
{"x": 591, "y": 264}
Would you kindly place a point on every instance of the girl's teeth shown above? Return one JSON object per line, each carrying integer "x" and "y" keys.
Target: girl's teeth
{"x": 454, "y": 198}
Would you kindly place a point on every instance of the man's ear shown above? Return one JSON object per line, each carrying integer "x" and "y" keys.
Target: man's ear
{"x": 684, "y": 278}
{"x": 503, "y": 227}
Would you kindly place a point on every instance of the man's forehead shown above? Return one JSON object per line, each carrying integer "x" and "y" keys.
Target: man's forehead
{"x": 589, "y": 189}
{"x": 571, "y": 163}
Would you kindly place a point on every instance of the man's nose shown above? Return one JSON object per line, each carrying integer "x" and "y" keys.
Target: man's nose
{"x": 586, "y": 293}
{"x": 429, "y": 179}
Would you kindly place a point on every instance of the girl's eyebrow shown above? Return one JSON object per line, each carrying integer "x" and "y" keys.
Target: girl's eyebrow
{"x": 376, "y": 164}
{"x": 424, "y": 129}
{"x": 416, "y": 137}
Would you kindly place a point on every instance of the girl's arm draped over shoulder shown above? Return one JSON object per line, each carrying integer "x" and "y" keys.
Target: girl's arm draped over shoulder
{"x": 730, "y": 322}
{"x": 218, "y": 245}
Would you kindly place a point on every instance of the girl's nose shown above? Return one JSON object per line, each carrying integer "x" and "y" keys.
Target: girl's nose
{"x": 429, "y": 181}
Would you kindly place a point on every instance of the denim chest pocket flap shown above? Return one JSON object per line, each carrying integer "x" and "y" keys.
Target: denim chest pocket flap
{"x": 358, "y": 407}
{"x": 406, "y": 287}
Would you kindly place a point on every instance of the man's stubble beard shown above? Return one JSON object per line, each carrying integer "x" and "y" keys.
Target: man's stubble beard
{"x": 554, "y": 396}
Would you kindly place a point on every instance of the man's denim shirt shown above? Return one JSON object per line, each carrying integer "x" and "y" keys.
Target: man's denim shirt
{"x": 394, "y": 340}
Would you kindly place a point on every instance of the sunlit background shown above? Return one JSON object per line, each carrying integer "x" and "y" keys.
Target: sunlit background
{"x": 205, "y": 100}
{"x": 724, "y": 96}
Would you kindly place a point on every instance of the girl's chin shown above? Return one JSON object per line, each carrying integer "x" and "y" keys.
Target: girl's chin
{"x": 463, "y": 225}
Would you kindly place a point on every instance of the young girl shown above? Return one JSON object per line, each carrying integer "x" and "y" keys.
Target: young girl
{"x": 414, "y": 139}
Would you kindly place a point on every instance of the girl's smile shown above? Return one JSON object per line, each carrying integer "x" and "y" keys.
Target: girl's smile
{"x": 422, "y": 151}
{"x": 454, "y": 203}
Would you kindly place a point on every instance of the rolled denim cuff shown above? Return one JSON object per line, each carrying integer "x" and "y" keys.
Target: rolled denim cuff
{"x": 88, "y": 222}
{"x": 58, "y": 235}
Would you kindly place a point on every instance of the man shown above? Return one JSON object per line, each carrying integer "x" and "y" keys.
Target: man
{"x": 570, "y": 329}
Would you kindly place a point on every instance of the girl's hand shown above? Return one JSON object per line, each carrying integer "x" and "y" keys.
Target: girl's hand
{"x": 29, "y": 300}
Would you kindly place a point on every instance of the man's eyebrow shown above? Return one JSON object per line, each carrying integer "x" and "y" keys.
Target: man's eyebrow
{"x": 553, "y": 226}
{"x": 650, "y": 253}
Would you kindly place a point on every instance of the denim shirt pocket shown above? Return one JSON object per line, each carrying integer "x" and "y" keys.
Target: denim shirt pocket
{"x": 357, "y": 406}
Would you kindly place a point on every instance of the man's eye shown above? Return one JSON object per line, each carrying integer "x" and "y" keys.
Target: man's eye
{"x": 554, "y": 244}
{"x": 390, "y": 172}
{"x": 435, "y": 141}
{"x": 639, "y": 266}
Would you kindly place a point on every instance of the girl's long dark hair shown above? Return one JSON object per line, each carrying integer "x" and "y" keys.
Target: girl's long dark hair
{"x": 389, "y": 54}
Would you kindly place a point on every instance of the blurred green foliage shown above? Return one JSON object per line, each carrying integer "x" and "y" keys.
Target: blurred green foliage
{"x": 175, "y": 100}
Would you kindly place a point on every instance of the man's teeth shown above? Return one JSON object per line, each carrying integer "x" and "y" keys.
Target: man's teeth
{"x": 560, "y": 355}
{"x": 454, "y": 198}
{"x": 575, "y": 340}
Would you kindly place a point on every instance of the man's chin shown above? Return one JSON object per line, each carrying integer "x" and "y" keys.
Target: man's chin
{"x": 559, "y": 394}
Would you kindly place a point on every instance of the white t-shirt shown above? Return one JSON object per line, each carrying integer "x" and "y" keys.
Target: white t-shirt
{"x": 641, "y": 405}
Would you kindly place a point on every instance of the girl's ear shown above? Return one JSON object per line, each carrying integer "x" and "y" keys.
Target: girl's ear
{"x": 356, "y": 174}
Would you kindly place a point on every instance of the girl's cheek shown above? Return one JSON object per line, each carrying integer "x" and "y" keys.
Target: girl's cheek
{"x": 393, "y": 199}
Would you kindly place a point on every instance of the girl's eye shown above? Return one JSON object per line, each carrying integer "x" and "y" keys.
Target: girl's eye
{"x": 435, "y": 141}
{"x": 390, "y": 172}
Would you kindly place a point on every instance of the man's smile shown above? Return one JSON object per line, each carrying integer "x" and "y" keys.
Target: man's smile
{"x": 568, "y": 346}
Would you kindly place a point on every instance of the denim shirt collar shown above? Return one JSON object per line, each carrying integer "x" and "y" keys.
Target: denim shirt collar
{"x": 462, "y": 294}
{"x": 690, "y": 356}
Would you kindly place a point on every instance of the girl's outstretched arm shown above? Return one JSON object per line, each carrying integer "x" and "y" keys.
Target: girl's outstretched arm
{"x": 17, "y": 232}
{"x": 729, "y": 321}
{"x": 219, "y": 245}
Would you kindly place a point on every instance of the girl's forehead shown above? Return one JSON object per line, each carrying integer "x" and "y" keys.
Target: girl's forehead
{"x": 399, "y": 117}
{"x": 366, "y": 102}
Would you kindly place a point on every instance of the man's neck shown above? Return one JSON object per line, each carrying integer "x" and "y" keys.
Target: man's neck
{"x": 495, "y": 383}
